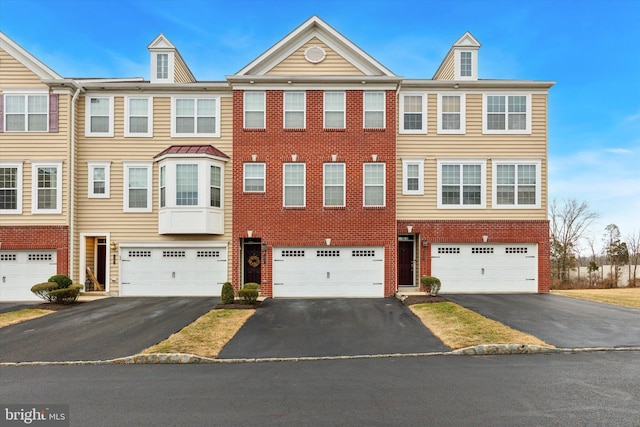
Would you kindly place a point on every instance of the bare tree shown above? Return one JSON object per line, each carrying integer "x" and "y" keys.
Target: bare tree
{"x": 569, "y": 223}
{"x": 633, "y": 244}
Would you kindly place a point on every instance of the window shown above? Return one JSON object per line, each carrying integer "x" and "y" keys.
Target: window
{"x": 294, "y": 110}
{"x": 215, "y": 187}
{"x": 163, "y": 186}
{"x": 47, "y": 188}
{"x": 465, "y": 64}
{"x": 413, "y": 177}
{"x": 254, "y": 110}
{"x": 451, "y": 113}
{"x": 334, "y": 184}
{"x": 139, "y": 116}
{"x": 374, "y": 184}
{"x": 196, "y": 117}
{"x": 137, "y": 191}
{"x": 26, "y": 113}
{"x": 461, "y": 184}
{"x": 413, "y": 113}
{"x": 99, "y": 177}
{"x": 10, "y": 188}
{"x": 507, "y": 114}
{"x": 294, "y": 185}
{"x": 162, "y": 66}
{"x": 334, "y": 110}
{"x": 99, "y": 116}
{"x": 516, "y": 184}
{"x": 186, "y": 185}
{"x": 254, "y": 178}
{"x": 374, "y": 110}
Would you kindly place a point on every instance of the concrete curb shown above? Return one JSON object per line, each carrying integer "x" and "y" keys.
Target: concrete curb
{"x": 181, "y": 358}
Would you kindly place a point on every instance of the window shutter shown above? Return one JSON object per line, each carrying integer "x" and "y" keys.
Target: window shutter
{"x": 53, "y": 112}
{"x": 1, "y": 113}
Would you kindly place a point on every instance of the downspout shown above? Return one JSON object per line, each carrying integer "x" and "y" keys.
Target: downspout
{"x": 72, "y": 178}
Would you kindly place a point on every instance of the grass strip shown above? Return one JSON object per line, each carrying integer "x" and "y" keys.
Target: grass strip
{"x": 626, "y": 297}
{"x": 458, "y": 327}
{"x": 206, "y": 336}
{"x": 18, "y": 316}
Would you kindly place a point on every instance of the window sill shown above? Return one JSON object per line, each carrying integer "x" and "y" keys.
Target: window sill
{"x": 335, "y": 208}
{"x": 253, "y": 130}
{"x": 294, "y": 129}
{"x": 374, "y": 208}
{"x": 334, "y": 130}
{"x": 375, "y": 129}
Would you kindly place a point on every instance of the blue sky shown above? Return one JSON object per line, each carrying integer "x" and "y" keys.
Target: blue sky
{"x": 588, "y": 47}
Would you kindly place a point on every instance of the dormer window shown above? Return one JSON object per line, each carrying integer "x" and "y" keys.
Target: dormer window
{"x": 162, "y": 64}
{"x": 466, "y": 64}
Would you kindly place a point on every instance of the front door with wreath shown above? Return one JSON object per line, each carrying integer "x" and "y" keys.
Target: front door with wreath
{"x": 252, "y": 262}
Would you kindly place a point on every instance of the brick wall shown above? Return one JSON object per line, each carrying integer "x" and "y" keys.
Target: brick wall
{"x": 264, "y": 214}
{"x": 39, "y": 237}
{"x": 499, "y": 231}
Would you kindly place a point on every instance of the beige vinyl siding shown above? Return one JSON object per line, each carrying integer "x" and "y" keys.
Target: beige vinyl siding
{"x": 107, "y": 215}
{"x": 447, "y": 68}
{"x": 29, "y": 147}
{"x": 472, "y": 145}
{"x": 181, "y": 72}
{"x": 333, "y": 64}
{"x": 13, "y": 74}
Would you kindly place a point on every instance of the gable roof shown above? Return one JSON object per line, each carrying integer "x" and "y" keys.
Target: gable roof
{"x": 25, "y": 58}
{"x": 162, "y": 43}
{"x": 315, "y": 27}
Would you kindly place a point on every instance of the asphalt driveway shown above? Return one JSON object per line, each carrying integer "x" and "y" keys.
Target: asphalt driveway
{"x": 102, "y": 329}
{"x": 331, "y": 327}
{"x": 558, "y": 320}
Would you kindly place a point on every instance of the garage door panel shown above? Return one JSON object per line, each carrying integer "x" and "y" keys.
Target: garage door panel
{"x": 328, "y": 272}
{"x": 483, "y": 268}
{"x": 20, "y": 270}
{"x": 173, "y": 271}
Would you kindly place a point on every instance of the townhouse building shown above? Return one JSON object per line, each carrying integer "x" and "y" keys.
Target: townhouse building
{"x": 314, "y": 171}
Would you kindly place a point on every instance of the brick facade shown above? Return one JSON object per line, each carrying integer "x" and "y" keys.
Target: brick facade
{"x": 275, "y": 225}
{"x": 467, "y": 231}
{"x": 39, "y": 237}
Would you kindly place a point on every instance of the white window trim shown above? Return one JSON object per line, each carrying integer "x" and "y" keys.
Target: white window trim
{"x": 127, "y": 124}
{"x": 483, "y": 182}
{"x": 18, "y": 166}
{"x": 221, "y": 186}
{"x": 244, "y": 178}
{"x": 195, "y": 134}
{"x": 263, "y": 109}
{"x": 474, "y": 64}
{"x": 204, "y": 182}
{"x": 324, "y": 109}
{"x": 384, "y": 185}
{"x": 405, "y": 183}
{"x": 485, "y": 113}
{"x": 463, "y": 119}
{"x": 125, "y": 197}
{"x": 384, "y": 110}
{"x": 154, "y": 67}
{"x": 304, "y": 110}
{"x": 516, "y": 162}
{"x": 107, "y": 177}
{"x": 304, "y": 185}
{"x": 344, "y": 185}
{"x": 34, "y": 186}
{"x": 25, "y": 93}
{"x": 424, "y": 129}
{"x": 88, "y": 132}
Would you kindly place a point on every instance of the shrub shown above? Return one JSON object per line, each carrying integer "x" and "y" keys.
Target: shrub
{"x": 431, "y": 285}
{"x": 42, "y": 290}
{"x": 252, "y": 285}
{"x": 66, "y": 295}
{"x": 62, "y": 280}
{"x": 227, "y": 293}
{"x": 248, "y": 295}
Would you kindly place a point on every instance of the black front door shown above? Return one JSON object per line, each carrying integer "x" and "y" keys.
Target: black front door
{"x": 101, "y": 261}
{"x": 252, "y": 262}
{"x": 405, "y": 263}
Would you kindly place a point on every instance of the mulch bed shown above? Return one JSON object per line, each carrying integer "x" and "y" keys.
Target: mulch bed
{"x": 238, "y": 306}
{"x": 56, "y": 307}
{"x": 422, "y": 299}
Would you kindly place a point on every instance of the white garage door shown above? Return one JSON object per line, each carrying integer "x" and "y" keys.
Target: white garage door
{"x": 302, "y": 272}
{"x": 184, "y": 271}
{"x": 483, "y": 268}
{"x": 20, "y": 270}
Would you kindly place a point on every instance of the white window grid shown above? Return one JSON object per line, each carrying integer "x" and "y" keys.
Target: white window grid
{"x": 294, "y": 110}
{"x": 374, "y": 191}
{"x": 413, "y": 113}
{"x": 374, "y": 110}
{"x": 198, "y": 117}
{"x": 254, "y": 110}
{"x": 10, "y": 188}
{"x": 254, "y": 178}
{"x": 334, "y": 110}
{"x": 26, "y": 112}
{"x": 294, "y": 185}
{"x": 334, "y": 185}
{"x": 99, "y": 116}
